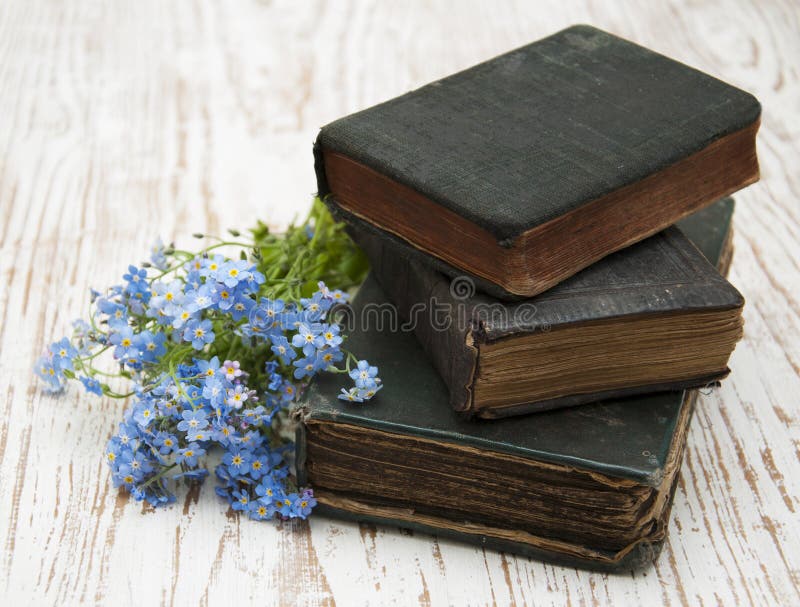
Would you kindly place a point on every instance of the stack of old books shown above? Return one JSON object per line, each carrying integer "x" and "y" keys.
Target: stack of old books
{"x": 553, "y": 324}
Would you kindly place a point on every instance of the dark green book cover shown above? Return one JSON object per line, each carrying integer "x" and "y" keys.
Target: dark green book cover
{"x": 583, "y": 131}
{"x": 633, "y": 291}
{"x": 589, "y": 486}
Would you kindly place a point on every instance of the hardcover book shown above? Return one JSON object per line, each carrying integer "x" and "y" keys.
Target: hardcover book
{"x": 588, "y": 486}
{"x": 527, "y": 168}
{"x": 652, "y": 317}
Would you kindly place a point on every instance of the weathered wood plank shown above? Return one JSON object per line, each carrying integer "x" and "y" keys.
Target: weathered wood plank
{"x": 123, "y": 120}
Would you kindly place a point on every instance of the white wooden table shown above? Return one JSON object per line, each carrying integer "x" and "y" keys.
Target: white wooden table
{"x": 125, "y": 120}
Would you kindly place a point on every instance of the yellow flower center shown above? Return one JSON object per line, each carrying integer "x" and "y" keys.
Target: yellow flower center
{"x": 126, "y": 342}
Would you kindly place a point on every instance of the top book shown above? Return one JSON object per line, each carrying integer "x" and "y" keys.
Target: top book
{"x": 527, "y": 168}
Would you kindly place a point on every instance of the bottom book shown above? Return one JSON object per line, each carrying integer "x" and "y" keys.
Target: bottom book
{"x": 587, "y": 486}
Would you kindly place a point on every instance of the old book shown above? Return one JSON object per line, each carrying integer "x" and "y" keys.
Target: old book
{"x": 652, "y": 317}
{"x": 527, "y": 168}
{"x": 589, "y": 486}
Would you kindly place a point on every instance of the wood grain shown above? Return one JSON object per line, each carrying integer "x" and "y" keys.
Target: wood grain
{"x": 121, "y": 121}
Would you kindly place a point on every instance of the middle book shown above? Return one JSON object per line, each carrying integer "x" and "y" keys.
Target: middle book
{"x": 656, "y": 316}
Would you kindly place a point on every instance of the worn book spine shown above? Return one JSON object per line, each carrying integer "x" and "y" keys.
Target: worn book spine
{"x": 451, "y": 339}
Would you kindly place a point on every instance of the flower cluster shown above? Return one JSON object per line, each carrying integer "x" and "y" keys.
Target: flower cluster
{"x": 168, "y": 325}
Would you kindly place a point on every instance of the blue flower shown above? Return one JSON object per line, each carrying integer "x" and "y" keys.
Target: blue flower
{"x": 231, "y": 273}
{"x": 157, "y": 255}
{"x": 201, "y": 298}
{"x": 193, "y": 420}
{"x": 238, "y": 460}
{"x": 194, "y": 280}
{"x": 189, "y": 454}
{"x": 207, "y": 368}
{"x": 112, "y": 453}
{"x": 260, "y": 511}
{"x": 165, "y": 295}
{"x": 222, "y": 432}
{"x": 306, "y": 337}
{"x": 255, "y": 416}
{"x": 259, "y": 466}
{"x": 128, "y": 435}
{"x": 200, "y": 333}
{"x": 198, "y": 436}
{"x": 116, "y": 312}
{"x": 62, "y": 354}
{"x": 336, "y": 296}
{"x": 211, "y": 265}
{"x": 329, "y": 336}
{"x": 144, "y": 412}
{"x": 53, "y": 378}
{"x": 226, "y": 297}
{"x": 351, "y": 395}
{"x": 152, "y": 346}
{"x": 241, "y": 500}
{"x": 288, "y": 392}
{"x": 316, "y": 306}
{"x": 325, "y": 358}
{"x": 367, "y": 393}
{"x": 136, "y": 281}
{"x": 181, "y": 315}
{"x": 304, "y": 503}
{"x": 269, "y": 491}
{"x": 242, "y": 305}
{"x": 251, "y": 440}
{"x": 306, "y": 367}
{"x": 135, "y": 463}
{"x": 283, "y": 350}
{"x": 255, "y": 279}
{"x": 214, "y": 391}
{"x": 165, "y": 442}
{"x": 92, "y": 385}
{"x": 364, "y": 375}
{"x": 285, "y": 505}
{"x": 125, "y": 342}
{"x": 268, "y": 313}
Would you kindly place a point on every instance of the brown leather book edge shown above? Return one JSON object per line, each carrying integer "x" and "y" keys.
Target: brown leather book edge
{"x": 545, "y": 255}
